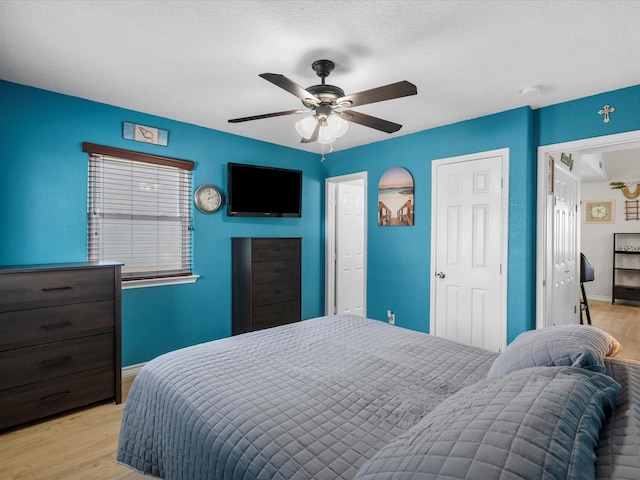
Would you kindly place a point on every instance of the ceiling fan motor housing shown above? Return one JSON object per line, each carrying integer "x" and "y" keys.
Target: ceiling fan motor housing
{"x": 326, "y": 93}
{"x": 323, "y": 68}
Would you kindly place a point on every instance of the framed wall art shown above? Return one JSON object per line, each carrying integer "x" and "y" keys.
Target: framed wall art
{"x": 395, "y": 198}
{"x": 599, "y": 211}
{"x": 143, "y": 133}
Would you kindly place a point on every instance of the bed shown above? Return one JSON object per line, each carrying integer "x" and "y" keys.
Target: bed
{"x": 344, "y": 397}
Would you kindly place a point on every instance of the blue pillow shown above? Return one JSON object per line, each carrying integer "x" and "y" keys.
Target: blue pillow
{"x": 536, "y": 423}
{"x": 565, "y": 345}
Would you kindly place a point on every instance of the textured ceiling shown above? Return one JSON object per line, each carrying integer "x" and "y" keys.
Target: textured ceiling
{"x": 198, "y": 61}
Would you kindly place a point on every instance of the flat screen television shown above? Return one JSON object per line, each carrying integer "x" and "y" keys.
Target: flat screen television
{"x": 258, "y": 191}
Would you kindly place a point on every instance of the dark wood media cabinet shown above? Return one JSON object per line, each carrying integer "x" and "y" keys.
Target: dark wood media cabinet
{"x": 60, "y": 339}
{"x": 266, "y": 283}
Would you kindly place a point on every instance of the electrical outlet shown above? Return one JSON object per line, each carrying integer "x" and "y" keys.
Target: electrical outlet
{"x": 391, "y": 317}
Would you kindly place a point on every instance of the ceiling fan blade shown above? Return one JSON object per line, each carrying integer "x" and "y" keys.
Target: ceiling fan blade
{"x": 291, "y": 87}
{"x": 266, "y": 115}
{"x": 369, "y": 121}
{"x": 387, "y": 92}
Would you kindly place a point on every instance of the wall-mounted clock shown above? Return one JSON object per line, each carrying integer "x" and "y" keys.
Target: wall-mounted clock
{"x": 208, "y": 198}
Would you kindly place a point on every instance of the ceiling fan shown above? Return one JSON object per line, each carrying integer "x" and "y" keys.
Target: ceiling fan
{"x": 328, "y": 101}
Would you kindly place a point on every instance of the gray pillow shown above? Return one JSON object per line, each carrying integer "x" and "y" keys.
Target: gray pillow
{"x": 536, "y": 423}
{"x": 565, "y": 345}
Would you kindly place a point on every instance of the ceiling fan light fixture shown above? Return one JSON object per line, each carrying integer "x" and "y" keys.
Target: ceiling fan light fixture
{"x": 326, "y": 134}
{"x": 338, "y": 125}
{"x": 306, "y": 126}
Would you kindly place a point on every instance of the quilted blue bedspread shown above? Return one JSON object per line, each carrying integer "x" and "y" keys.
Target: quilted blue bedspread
{"x": 311, "y": 400}
{"x": 320, "y": 398}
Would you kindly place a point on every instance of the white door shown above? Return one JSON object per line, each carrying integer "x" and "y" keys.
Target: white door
{"x": 565, "y": 308}
{"x": 469, "y": 239}
{"x": 350, "y": 248}
{"x": 346, "y": 245}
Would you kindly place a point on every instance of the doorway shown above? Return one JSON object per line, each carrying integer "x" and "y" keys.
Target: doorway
{"x": 547, "y": 251}
{"x": 469, "y": 225}
{"x": 346, "y": 245}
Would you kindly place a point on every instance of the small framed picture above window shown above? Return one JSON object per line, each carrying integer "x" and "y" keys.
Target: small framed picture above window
{"x": 144, "y": 133}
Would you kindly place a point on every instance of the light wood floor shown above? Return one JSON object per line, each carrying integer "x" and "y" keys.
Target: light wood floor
{"x": 78, "y": 446}
{"x": 82, "y": 445}
{"x": 622, "y": 322}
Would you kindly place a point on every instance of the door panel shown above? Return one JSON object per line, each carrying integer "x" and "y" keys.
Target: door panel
{"x": 564, "y": 309}
{"x": 350, "y": 249}
{"x": 468, "y": 233}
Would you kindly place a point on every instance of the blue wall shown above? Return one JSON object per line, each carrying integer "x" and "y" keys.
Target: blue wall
{"x": 43, "y": 210}
{"x": 579, "y": 119}
{"x": 43, "y": 185}
{"x": 399, "y": 271}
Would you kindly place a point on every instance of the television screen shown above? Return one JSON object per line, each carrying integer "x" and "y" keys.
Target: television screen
{"x": 257, "y": 191}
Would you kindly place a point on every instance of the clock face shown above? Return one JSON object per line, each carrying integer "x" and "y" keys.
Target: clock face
{"x": 208, "y": 199}
{"x": 599, "y": 211}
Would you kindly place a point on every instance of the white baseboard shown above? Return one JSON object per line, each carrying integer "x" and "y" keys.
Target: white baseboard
{"x": 131, "y": 370}
{"x": 608, "y": 299}
{"x": 599, "y": 297}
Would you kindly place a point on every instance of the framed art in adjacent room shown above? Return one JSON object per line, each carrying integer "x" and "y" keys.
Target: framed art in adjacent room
{"x": 599, "y": 211}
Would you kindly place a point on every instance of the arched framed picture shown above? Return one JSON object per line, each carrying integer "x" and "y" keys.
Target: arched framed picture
{"x": 395, "y": 198}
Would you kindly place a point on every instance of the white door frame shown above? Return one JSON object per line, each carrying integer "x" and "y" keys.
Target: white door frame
{"x": 504, "y": 254}
{"x": 544, "y": 296}
{"x": 330, "y": 235}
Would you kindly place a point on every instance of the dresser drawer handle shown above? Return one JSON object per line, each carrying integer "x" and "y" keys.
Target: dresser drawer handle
{"x": 53, "y": 289}
{"x": 55, "y": 397}
{"x": 51, "y": 326}
{"x": 56, "y": 361}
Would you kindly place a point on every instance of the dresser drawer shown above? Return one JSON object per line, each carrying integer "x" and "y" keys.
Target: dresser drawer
{"x": 276, "y": 271}
{"x": 34, "y": 289}
{"x": 266, "y": 293}
{"x": 22, "y": 404}
{"x": 28, "y": 365}
{"x": 268, "y": 316}
{"x": 267, "y": 249}
{"x": 23, "y": 328}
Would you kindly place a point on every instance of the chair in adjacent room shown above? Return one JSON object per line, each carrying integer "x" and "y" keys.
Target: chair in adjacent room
{"x": 587, "y": 274}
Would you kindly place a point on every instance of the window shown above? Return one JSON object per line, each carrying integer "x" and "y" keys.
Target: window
{"x": 139, "y": 212}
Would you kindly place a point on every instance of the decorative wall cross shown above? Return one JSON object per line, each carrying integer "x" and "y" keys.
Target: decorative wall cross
{"x": 606, "y": 110}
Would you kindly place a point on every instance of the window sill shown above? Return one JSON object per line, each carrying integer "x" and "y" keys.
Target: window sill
{"x": 159, "y": 282}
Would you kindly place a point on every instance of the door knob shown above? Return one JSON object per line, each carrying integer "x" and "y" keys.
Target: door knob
{"x": 440, "y": 274}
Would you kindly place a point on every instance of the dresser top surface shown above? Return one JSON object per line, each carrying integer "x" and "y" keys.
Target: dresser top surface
{"x": 55, "y": 266}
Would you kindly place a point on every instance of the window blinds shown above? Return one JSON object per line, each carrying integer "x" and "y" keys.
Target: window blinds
{"x": 140, "y": 215}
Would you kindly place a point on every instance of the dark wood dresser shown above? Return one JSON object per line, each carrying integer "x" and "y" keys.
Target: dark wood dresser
{"x": 60, "y": 339}
{"x": 266, "y": 282}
